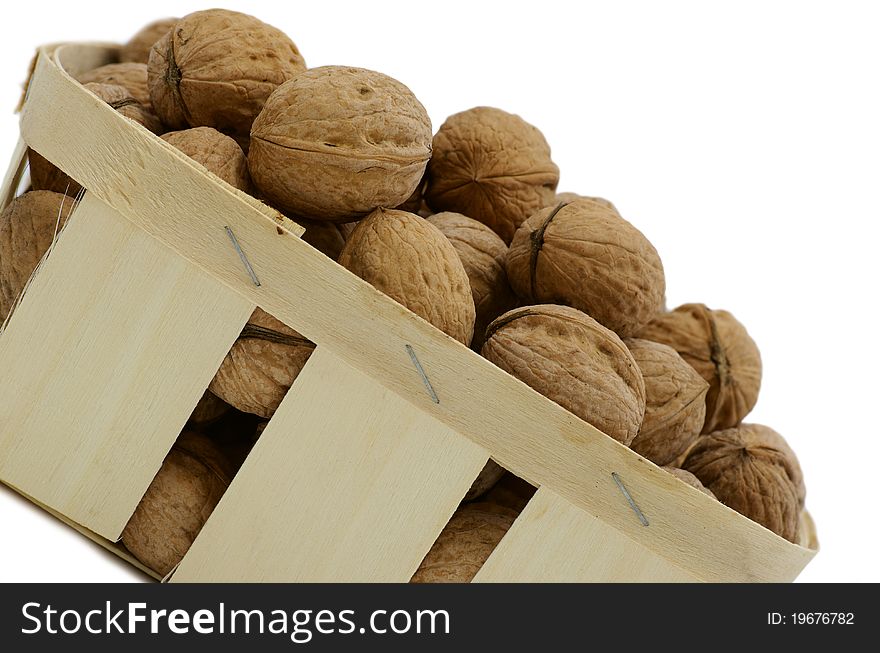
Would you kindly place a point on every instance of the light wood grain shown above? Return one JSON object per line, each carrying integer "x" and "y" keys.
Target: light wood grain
{"x": 151, "y": 185}
{"x": 347, "y": 483}
{"x": 14, "y": 173}
{"x": 102, "y": 363}
{"x": 553, "y": 541}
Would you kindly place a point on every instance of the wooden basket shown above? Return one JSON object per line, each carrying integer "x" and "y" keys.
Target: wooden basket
{"x": 141, "y": 297}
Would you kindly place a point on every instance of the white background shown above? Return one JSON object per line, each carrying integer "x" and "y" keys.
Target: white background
{"x": 743, "y": 140}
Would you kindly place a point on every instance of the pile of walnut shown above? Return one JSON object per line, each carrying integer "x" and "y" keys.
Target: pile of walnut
{"x": 465, "y": 228}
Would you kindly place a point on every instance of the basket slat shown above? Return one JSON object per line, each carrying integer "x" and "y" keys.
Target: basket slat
{"x": 13, "y": 174}
{"x": 347, "y": 483}
{"x": 553, "y": 541}
{"x": 112, "y": 345}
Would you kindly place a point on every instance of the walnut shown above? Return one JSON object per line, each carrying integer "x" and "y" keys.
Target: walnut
{"x": 511, "y": 492}
{"x": 120, "y": 99}
{"x": 131, "y": 76}
{"x": 415, "y": 203}
{"x": 216, "y": 68}
{"x": 327, "y": 237}
{"x": 676, "y": 402}
{"x": 137, "y": 50}
{"x": 220, "y": 154}
{"x": 335, "y": 143}
{"x": 177, "y": 504}
{"x": 209, "y": 409}
{"x": 261, "y": 366}
{"x": 688, "y": 478}
{"x": 412, "y": 262}
{"x": 27, "y": 230}
{"x": 485, "y": 481}
{"x": 482, "y": 252}
{"x": 492, "y": 166}
{"x": 47, "y": 176}
{"x": 717, "y": 346}
{"x": 750, "y": 469}
{"x": 465, "y": 544}
{"x": 583, "y": 254}
{"x": 570, "y": 358}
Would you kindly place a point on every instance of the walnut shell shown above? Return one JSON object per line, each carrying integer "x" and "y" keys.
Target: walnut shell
{"x": 219, "y": 153}
{"x": 688, "y": 478}
{"x": 565, "y": 198}
{"x": 120, "y": 99}
{"x": 131, "y": 76}
{"x": 583, "y": 254}
{"x": 27, "y": 229}
{"x": 675, "y": 402}
{"x": 482, "y": 252}
{"x": 261, "y": 366}
{"x": 492, "y": 166}
{"x": 209, "y": 409}
{"x": 137, "y": 50}
{"x": 485, "y": 481}
{"x": 716, "y": 345}
{"x": 570, "y": 358}
{"x": 797, "y": 475}
{"x": 411, "y": 261}
{"x": 415, "y": 202}
{"x": 335, "y": 142}
{"x": 749, "y": 471}
{"x": 177, "y": 504}
{"x": 216, "y": 68}
{"x": 511, "y": 492}
{"x": 465, "y": 544}
{"x": 326, "y": 237}
{"x": 47, "y": 176}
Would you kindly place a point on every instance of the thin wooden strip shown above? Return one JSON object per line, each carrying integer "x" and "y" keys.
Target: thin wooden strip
{"x": 14, "y": 174}
{"x": 554, "y": 541}
{"x": 102, "y": 363}
{"x": 530, "y": 435}
{"x": 347, "y": 483}
{"x": 113, "y": 547}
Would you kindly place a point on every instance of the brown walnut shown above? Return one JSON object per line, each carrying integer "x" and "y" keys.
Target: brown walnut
{"x": 688, "y": 478}
{"x": 120, "y": 99}
{"x": 482, "y": 252}
{"x": 492, "y": 166}
{"x": 131, "y": 76}
{"x": 465, "y": 544}
{"x": 411, "y": 261}
{"x": 749, "y": 470}
{"x": 47, "y": 176}
{"x": 177, "y": 504}
{"x": 335, "y": 143}
{"x": 137, "y": 50}
{"x": 720, "y": 349}
{"x": 216, "y": 68}
{"x": 675, "y": 402}
{"x": 219, "y": 153}
{"x": 583, "y": 254}
{"x": 570, "y": 358}
{"x": 485, "y": 481}
{"x": 262, "y": 365}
